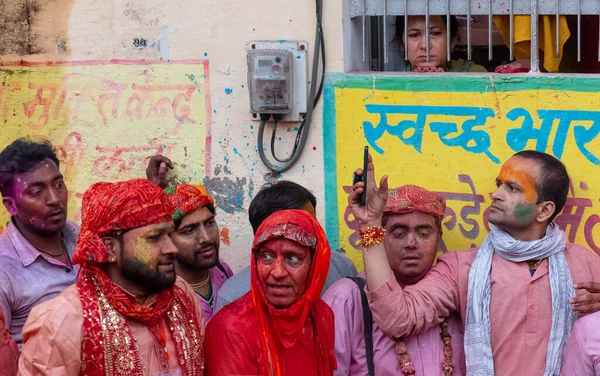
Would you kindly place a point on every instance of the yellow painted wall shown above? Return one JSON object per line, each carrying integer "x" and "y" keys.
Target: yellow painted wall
{"x": 107, "y": 118}
{"x": 450, "y": 134}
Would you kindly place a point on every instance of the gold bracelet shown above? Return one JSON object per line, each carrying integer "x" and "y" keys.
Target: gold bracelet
{"x": 371, "y": 236}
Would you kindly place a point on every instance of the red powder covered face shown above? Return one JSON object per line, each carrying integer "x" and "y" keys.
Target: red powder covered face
{"x": 283, "y": 268}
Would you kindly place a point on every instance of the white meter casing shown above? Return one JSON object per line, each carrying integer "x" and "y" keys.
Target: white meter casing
{"x": 270, "y": 81}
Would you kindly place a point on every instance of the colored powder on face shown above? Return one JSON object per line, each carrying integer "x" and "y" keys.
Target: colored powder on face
{"x": 511, "y": 172}
{"x": 143, "y": 251}
{"x": 523, "y": 212}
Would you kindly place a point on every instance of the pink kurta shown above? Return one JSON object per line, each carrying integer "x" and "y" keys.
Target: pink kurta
{"x": 54, "y": 330}
{"x": 217, "y": 279}
{"x": 583, "y": 350}
{"x": 425, "y": 349}
{"x": 520, "y": 308}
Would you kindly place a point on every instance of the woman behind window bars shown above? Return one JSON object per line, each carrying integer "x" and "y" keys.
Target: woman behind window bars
{"x": 417, "y": 46}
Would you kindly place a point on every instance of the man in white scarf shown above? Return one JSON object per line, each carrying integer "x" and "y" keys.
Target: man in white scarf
{"x": 513, "y": 293}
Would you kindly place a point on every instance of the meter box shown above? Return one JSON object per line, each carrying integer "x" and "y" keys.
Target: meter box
{"x": 270, "y": 81}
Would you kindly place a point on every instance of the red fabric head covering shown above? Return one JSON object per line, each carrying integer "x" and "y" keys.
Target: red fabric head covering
{"x": 282, "y": 327}
{"x": 411, "y": 198}
{"x": 186, "y": 199}
{"x": 112, "y": 207}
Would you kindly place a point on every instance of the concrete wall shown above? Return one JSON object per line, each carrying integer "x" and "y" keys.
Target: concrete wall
{"x": 212, "y": 31}
{"x": 78, "y": 73}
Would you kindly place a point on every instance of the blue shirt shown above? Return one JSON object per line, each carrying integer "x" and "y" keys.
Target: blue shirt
{"x": 235, "y": 287}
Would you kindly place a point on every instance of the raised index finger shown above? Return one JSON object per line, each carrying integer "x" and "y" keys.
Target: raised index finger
{"x": 371, "y": 172}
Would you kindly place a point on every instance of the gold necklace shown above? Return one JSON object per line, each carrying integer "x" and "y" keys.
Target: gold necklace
{"x": 201, "y": 284}
{"x": 534, "y": 264}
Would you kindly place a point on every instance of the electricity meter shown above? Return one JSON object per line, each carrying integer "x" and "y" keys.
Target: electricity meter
{"x": 270, "y": 81}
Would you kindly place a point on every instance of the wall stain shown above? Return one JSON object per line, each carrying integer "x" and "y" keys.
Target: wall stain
{"x": 229, "y": 194}
{"x": 35, "y": 27}
{"x": 16, "y": 32}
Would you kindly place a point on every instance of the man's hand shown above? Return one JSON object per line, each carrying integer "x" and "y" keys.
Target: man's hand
{"x": 588, "y": 298}
{"x": 370, "y": 214}
{"x": 157, "y": 169}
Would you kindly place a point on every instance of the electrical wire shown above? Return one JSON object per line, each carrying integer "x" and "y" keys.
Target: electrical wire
{"x": 314, "y": 96}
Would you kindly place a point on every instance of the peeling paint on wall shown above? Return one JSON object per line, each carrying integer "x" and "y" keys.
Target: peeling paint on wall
{"x": 229, "y": 195}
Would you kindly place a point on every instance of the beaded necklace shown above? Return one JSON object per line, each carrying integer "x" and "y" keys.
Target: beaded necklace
{"x": 406, "y": 366}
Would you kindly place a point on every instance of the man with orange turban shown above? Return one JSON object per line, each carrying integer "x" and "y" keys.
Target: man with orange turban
{"x": 196, "y": 236}
{"x": 281, "y": 327}
{"x": 412, "y": 219}
{"x": 128, "y": 314}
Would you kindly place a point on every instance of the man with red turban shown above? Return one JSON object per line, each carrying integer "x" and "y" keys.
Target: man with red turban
{"x": 196, "y": 236}
{"x": 281, "y": 327}
{"x": 412, "y": 220}
{"x": 128, "y": 314}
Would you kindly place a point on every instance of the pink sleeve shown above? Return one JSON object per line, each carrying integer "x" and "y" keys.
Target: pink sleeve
{"x": 51, "y": 341}
{"x": 417, "y": 308}
{"x": 9, "y": 353}
{"x": 344, "y": 299}
{"x": 579, "y": 356}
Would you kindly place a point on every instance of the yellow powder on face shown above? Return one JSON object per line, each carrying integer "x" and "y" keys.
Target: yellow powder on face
{"x": 143, "y": 251}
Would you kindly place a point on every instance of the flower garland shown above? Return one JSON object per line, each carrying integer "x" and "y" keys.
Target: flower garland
{"x": 406, "y": 366}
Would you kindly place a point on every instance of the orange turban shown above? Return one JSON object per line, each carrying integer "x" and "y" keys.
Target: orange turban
{"x": 186, "y": 199}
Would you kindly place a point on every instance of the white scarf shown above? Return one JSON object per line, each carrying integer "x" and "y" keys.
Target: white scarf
{"x": 478, "y": 350}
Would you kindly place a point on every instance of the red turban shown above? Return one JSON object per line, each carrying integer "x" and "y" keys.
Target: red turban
{"x": 113, "y": 207}
{"x": 186, "y": 199}
{"x": 411, "y": 198}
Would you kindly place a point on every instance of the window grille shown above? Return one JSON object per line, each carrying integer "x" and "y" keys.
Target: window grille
{"x": 364, "y": 19}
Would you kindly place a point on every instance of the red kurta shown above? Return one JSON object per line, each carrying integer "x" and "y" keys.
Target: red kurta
{"x": 232, "y": 342}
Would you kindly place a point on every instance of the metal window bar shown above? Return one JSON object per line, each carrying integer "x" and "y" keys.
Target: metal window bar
{"x": 427, "y": 36}
{"x": 468, "y": 29}
{"x": 405, "y": 29}
{"x": 533, "y": 8}
{"x": 557, "y": 31}
{"x": 512, "y": 29}
{"x": 448, "y": 28}
{"x": 490, "y": 23}
{"x": 578, "y": 30}
{"x": 385, "y": 21}
{"x": 534, "y": 55}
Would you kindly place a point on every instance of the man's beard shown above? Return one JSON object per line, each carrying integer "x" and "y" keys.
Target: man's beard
{"x": 199, "y": 263}
{"x": 139, "y": 273}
